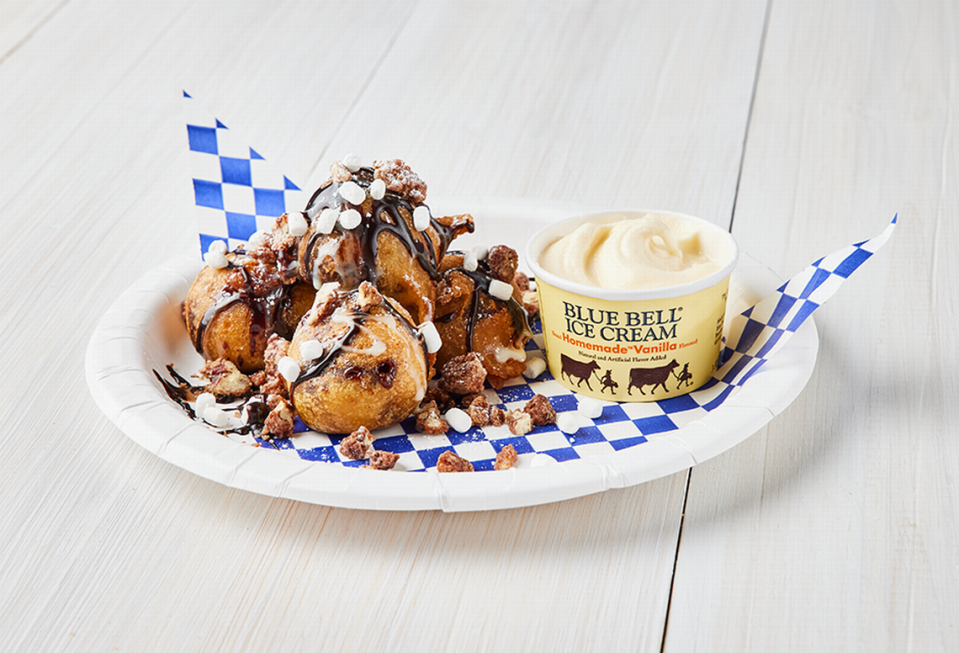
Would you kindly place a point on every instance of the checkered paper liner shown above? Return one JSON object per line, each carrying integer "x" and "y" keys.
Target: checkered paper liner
{"x": 237, "y": 193}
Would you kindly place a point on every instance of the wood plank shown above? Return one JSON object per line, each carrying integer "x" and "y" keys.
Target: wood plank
{"x": 108, "y": 546}
{"x": 835, "y": 527}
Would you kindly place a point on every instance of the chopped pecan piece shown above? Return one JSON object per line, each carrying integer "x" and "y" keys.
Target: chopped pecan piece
{"x": 358, "y": 444}
{"x": 530, "y": 301}
{"x": 502, "y": 262}
{"x": 400, "y": 179}
{"x": 382, "y": 460}
{"x": 540, "y": 410}
{"x": 276, "y": 348}
{"x": 339, "y": 172}
{"x": 442, "y": 398}
{"x": 279, "y": 422}
{"x": 479, "y": 410}
{"x": 506, "y": 458}
{"x": 463, "y": 375}
{"x": 449, "y": 462}
{"x": 519, "y": 422}
{"x": 368, "y": 296}
{"x": 225, "y": 379}
{"x": 497, "y": 416}
{"x": 429, "y": 421}
{"x": 521, "y": 280}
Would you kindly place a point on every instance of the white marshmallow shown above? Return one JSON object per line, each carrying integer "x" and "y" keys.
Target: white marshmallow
{"x": 458, "y": 419}
{"x": 480, "y": 252}
{"x": 378, "y": 189}
{"x": 328, "y": 220}
{"x": 311, "y": 350}
{"x": 288, "y": 368}
{"x": 431, "y": 337}
{"x": 203, "y": 402}
{"x": 216, "y": 260}
{"x": 352, "y": 193}
{"x": 296, "y": 224}
{"x": 534, "y": 367}
{"x": 352, "y": 162}
{"x": 590, "y": 408}
{"x": 567, "y": 422}
{"x": 218, "y": 247}
{"x": 469, "y": 261}
{"x": 350, "y": 219}
{"x": 500, "y": 289}
{"x": 215, "y": 417}
{"x": 258, "y": 239}
{"x": 542, "y": 460}
{"x": 421, "y": 218}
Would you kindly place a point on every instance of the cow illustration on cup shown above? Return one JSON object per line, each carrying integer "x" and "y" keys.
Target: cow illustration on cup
{"x": 654, "y": 376}
{"x": 572, "y": 368}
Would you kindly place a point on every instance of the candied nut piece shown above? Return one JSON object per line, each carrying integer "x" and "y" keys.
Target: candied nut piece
{"x": 382, "y": 460}
{"x": 502, "y": 262}
{"x": 358, "y": 444}
{"x": 429, "y": 421}
{"x": 449, "y": 462}
{"x": 478, "y": 409}
{"x": 519, "y": 422}
{"x": 226, "y": 380}
{"x": 506, "y": 458}
{"x": 368, "y": 297}
{"x": 497, "y": 416}
{"x": 530, "y": 302}
{"x": 464, "y": 374}
{"x": 400, "y": 179}
{"x": 442, "y": 398}
{"x": 279, "y": 422}
{"x": 277, "y": 348}
{"x": 521, "y": 280}
{"x": 540, "y": 410}
{"x": 339, "y": 172}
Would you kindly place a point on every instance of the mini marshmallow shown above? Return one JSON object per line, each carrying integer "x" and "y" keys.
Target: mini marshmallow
{"x": 421, "y": 218}
{"x": 204, "y": 401}
{"x": 590, "y": 408}
{"x": 328, "y": 220}
{"x": 311, "y": 350}
{"x": 215, "y": 417}
{"x": 469, "y": 261}
{"x": 216, "y": 260}
{"x": 288, "y": 368}
{"x": 352, "y": 193}
{"x": 350, "y": 219}
{"x": 296, "y": 224}
{"x": 352, "y": 162}
{"x": 500, "y": 289}
{"x": 217, "y": 247}
{"x": 258, "y": 239}
{"x": 534, "y": 367}
{"x": 378, "y": 189}
{"x": 480, "y": 252}
{"x": 567, "y": 422}
{"x": 542, "y": 460}
{"x": 458, "y": 419}
{"x": 431, "y": 337}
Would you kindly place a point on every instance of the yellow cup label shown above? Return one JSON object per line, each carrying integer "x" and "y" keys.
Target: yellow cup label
{"x": 632, "y": 350}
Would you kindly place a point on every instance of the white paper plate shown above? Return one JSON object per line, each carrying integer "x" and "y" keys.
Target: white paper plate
{"x": 142, "y": 332}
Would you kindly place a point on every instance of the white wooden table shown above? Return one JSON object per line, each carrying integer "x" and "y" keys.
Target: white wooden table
{"x": 803, "y": 125}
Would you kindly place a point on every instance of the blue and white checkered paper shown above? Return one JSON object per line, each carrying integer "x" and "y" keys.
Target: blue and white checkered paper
{"x": 237, "y": 192}
{"x": 753, "y": 336}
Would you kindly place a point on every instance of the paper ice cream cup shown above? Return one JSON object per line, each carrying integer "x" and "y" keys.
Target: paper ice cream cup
{"x": 632, "y": 345}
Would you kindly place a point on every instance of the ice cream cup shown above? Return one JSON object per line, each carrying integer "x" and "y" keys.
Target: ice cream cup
{"x": 633, "y": 344}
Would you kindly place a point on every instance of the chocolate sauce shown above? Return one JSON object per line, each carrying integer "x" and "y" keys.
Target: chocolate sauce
{"x": 263, "y": 308}
{"x": 385, "y": 376}
{"x": 383, "y": 217}
{"x": 481, "y": 278}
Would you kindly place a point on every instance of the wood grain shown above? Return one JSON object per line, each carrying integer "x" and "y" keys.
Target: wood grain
{"x": 834, "y": 528}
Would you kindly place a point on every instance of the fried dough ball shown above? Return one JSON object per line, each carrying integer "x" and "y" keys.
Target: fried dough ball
{"x": 371, "y": 225}
{"x": 362, "y": 362}
{"x": 471, "y": 319}
{"x": 230, "y": 312}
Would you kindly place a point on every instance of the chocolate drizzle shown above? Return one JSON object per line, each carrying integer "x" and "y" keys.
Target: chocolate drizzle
{"x": 481, "y": 278}
{"x": 264, "y": 307}
{"x": 379, "y": 216}
{"x": 384, "y": 373}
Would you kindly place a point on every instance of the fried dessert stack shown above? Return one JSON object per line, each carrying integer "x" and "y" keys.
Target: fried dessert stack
{"x": 343, "y": 312}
